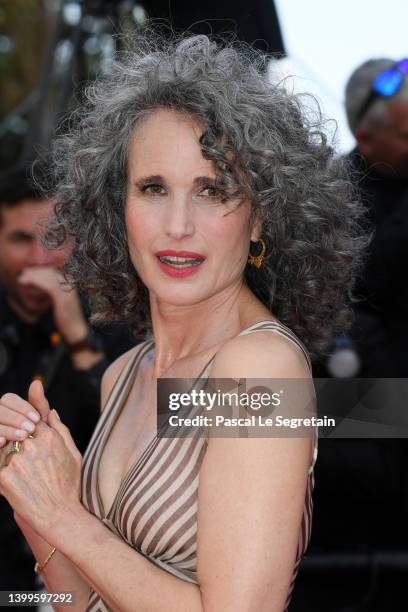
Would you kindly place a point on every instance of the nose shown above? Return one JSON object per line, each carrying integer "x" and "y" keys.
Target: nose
{"x": 179, "y": 218}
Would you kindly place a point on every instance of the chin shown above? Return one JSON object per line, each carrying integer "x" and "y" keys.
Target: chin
{"x": 181, "y": 296}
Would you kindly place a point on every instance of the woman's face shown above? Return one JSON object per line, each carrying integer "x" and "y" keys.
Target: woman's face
{"x": 185, "y": 243}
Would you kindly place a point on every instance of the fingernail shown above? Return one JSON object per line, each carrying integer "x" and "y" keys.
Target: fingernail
{"x": 56, "y": 414}
{"x": 34, "y": 416}
{"x": 2, "y": 440}
{"x": 28, "y": 426}
{"x": 20, "y": 433}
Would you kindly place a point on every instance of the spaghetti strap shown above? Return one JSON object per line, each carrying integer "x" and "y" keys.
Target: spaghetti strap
{"x": 265, "y": 325}
{"x": 281, "y": 329}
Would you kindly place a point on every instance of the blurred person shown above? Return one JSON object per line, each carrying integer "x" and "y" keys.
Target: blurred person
{"x": 377, "y": 111}
{"x": 376, "y": 101}
{"x": 44, "y": 334}
{"x": 361, "y": 484}
{"x": 203, "y": 181}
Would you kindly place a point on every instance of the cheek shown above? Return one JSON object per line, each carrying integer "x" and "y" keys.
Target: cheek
{"x": 140, "y": 229}
{"x": 58, "y": 260}
{"x": 231, "y": 232}
{"x": 59, "y": 257}
{"x": 15, "y": 259}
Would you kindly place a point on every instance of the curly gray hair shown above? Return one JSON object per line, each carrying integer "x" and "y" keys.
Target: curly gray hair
{"x": 262, "y": 145}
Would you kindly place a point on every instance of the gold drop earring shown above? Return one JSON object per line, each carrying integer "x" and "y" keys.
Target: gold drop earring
{"x": 256, "y": 260}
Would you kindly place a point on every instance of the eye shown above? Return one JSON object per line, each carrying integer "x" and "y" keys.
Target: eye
{"x": 21, "y": 237}
{"x": 209, "y": 191}
{"x": 215, "y": 193}
{"x": 153, "y": 188}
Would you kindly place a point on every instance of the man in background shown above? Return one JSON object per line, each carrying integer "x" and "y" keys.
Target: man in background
{"x": 377, "y": 110}
{"x": 361, "y": 485}
{"x": 380, "y": 161}
{"x": 45, "y": 334}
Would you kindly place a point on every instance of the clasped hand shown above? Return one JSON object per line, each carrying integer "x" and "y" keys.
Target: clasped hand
{"x": 42, "y": 481}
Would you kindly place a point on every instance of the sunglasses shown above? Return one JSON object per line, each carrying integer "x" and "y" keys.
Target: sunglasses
{"x": 385, "y": 85}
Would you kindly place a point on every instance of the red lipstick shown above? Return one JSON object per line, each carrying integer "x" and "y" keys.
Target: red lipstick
{"x": 173, "y": 253}
{"x": 179, "y": 264}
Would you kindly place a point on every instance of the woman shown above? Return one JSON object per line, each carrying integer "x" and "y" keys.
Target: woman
{"x": 202, "y": 202}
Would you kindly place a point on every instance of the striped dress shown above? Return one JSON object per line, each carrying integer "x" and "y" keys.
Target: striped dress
{"x": 155, "y": 508}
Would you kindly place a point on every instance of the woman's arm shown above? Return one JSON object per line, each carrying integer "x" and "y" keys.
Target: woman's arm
{"x": 252, "y": 490}
{"x": 124, "y": 578}
{"x": 60, "y": 575}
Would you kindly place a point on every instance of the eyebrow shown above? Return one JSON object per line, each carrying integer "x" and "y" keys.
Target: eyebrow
{"x": 157, "y": 178}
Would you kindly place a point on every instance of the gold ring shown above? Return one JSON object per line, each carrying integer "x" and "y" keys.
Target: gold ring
{"x": 16, "y": 447}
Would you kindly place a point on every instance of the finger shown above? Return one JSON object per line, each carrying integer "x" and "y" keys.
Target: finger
{"x": 17, "y": 418}
{"x": 12, "y": 434}
{"x": 33, "y": 272}
{"x": 28, "y": 278}
{"x": 11, "y": 417}
{"x": 14, "y": 402}
{"x": 42, "y": 278}
{"x": 55, "y": 422}
{"x": 36, "y": 397}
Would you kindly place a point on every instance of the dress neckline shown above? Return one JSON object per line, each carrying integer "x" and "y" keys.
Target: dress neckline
{"x": 129, "y": 382}
{"x": 110, "y": 424}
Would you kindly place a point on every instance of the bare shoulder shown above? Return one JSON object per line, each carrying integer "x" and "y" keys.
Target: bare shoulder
{"x": 261, "y": 354}
{"x": 113, "y": 371}
{"x": 268, "y": 356}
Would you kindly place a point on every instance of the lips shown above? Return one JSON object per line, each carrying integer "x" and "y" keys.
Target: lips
{"x": 179, "y": 263}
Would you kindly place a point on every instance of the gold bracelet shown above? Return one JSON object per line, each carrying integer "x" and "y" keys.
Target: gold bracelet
{"x": 38, "y": 568}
